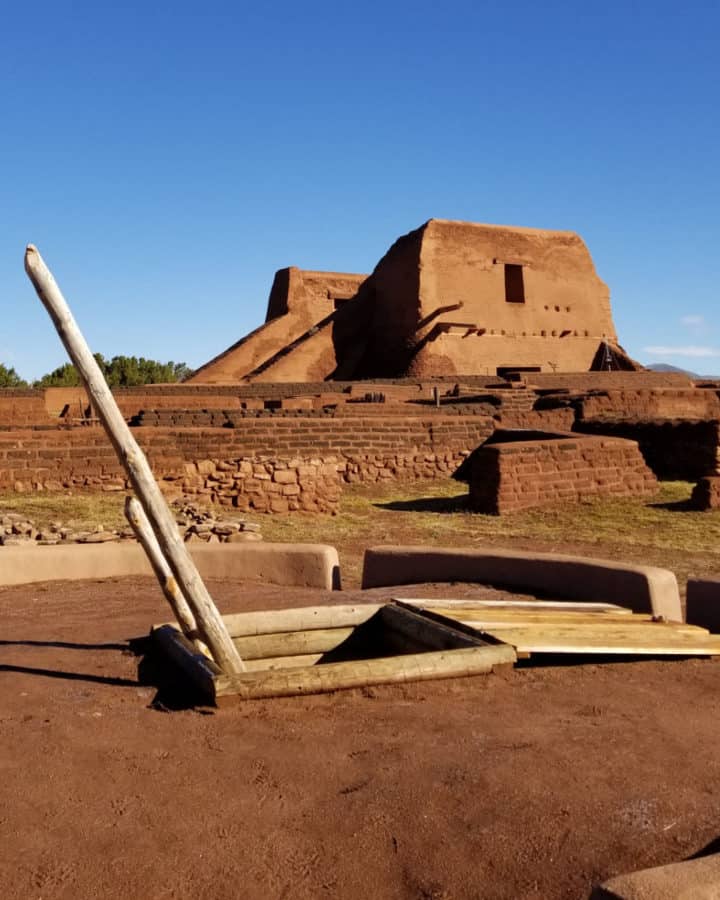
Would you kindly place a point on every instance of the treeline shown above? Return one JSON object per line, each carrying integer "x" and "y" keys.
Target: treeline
{"x": 120, "y": 371}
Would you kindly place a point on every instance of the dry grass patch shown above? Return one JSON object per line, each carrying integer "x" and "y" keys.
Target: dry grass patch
{"x": 657, "y": 531}
{"x": 79, "y": 511}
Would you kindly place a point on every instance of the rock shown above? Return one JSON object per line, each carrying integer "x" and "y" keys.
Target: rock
{"x": 99, "y": 537}
{"x": 696, "y": 879}
{"x": 6, "y": 541}
{"x": 241, "y": 536}
{"x": 201, "y": 528}
{"x": 250, "y": 526}
{"x": 226, "y": 528}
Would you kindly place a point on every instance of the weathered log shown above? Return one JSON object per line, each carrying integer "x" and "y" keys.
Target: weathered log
{"x": 301, "y": 618}
{"x": 314, "y": 679}
{"x": 135, "y": 515}
{"x": 291, "y": 643}
{"x": 359, "y": 673}
{"x": 209, "y": 623}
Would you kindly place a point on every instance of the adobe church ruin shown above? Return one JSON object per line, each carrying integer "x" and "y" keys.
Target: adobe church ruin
{"x": 450, "y": 298}
{"x": 400, "y": 375}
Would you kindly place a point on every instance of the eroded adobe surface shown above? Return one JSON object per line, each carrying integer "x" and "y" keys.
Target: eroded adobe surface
{"x": 450, "y": 298}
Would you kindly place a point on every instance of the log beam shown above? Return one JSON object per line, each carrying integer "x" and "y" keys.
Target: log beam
{"x": 209, "y": 622}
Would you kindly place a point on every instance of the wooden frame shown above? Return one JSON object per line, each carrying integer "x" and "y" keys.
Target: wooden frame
{"x": 319, "y": 649}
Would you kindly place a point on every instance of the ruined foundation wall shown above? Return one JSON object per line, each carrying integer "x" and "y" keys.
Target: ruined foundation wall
{"x": 675, "y": 450}
{"x": 645, "y": 404}
{"x": 398, "y": 447}
{"x": 22, "y": 408}
{"x": 514, "y": 476}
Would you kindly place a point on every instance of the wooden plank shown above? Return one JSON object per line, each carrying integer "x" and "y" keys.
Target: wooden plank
{"x": 359, "y": 673}
{"x": 521, "y": 617}
{"x": 638, "y": 640}
{"x": 631, "y": 631}
{"x": 303, "y": 618}
{"x": 551, "y": 627}
{"x": 569, "y": 606}
{"x": 209, "y": 623}
{"x": 291, "y": 643}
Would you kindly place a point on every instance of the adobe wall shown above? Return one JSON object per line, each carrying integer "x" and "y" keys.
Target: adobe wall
{"x": 20, "y": 408}
{"x": 295, "y": 290}
{"x": 441, "y": 308}
{"x": 628, "y": 405}
{"x": 513, "y": 476}
{"x": 300, "y": 301}
{"x": 675, "y": 450}
{"x": 389, "y": 447}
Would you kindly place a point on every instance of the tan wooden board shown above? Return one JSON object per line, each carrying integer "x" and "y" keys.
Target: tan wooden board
{"x": 531, "y": 617}
{"x": 639, "y": 639}
{"x": 530, "y": 605}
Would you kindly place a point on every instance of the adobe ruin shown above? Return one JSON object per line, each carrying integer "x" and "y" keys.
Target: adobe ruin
{"x": 450, "y": 298}
{"x": 490, "y": 329}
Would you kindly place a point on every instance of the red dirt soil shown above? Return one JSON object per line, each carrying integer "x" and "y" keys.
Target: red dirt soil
{"x": 528, "y": 783}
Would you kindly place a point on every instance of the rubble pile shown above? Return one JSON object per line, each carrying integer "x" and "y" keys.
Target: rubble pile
{"x": 194, "y": 523}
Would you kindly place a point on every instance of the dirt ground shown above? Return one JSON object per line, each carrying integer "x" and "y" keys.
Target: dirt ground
{"x": 528, "y": 783}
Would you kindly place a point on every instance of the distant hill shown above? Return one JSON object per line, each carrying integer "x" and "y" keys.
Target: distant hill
{"x": 664, "y": 367}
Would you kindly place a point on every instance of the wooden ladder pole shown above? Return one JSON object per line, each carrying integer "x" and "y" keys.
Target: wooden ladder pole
{"x": 210, "y": 625}
{"x": 135, "y": 515}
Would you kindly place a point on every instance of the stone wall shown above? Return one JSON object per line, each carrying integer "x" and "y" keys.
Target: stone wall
{"x": 399, "y": 447}
{"x": 506, "y": 477}
{"x": 263, "y": 484}
{"x": 310, "y": 484}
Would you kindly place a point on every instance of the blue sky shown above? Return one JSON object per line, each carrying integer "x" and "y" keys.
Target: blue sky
{"x": 167, "y": 158}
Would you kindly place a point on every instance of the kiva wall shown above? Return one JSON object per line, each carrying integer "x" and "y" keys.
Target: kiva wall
{"x": 513, "y": 476}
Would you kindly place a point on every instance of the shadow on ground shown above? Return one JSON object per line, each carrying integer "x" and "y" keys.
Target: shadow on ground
{"x": 674, "y": 506}
{"x": 428, "y": 504}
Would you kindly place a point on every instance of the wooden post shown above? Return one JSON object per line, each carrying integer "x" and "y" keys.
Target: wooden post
{"x": 135, "y": 515}
{"x": 210, "y": 625}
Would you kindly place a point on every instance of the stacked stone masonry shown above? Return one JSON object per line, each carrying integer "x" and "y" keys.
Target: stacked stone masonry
{"x": 365, "y": 450}
{"x": 513, "y": 476}
{"x": 264, "y": 484}
{"x": 376, "y": 430}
